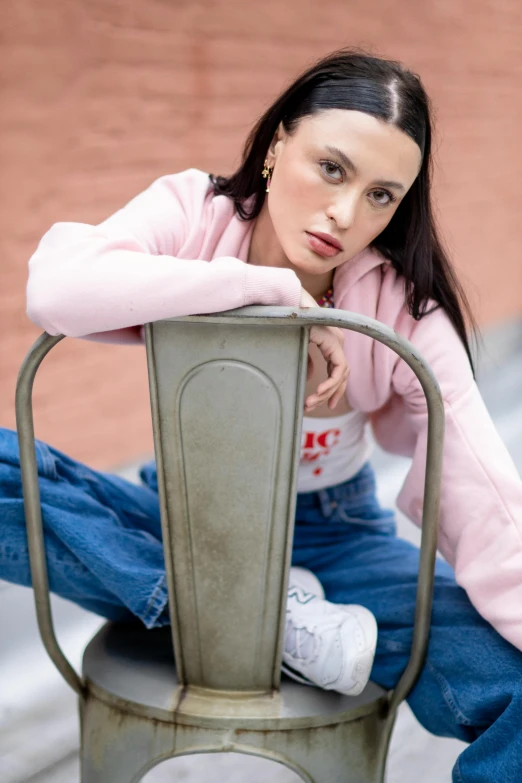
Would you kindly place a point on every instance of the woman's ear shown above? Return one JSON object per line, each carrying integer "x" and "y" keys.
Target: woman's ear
{"x": 278, "y": 139}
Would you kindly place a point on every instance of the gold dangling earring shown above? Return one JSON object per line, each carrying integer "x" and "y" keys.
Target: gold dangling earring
{"x": 267, "y": 172}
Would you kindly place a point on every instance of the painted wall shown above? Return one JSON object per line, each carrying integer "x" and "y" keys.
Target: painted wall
{"x": 100, "y": 98}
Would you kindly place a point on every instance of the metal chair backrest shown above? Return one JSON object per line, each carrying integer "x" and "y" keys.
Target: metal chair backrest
{"x": 226, "y": 402}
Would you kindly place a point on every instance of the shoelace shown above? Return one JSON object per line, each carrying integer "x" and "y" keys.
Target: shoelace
{"x": 300, "y": 643}
{"x": 303, "y": 642}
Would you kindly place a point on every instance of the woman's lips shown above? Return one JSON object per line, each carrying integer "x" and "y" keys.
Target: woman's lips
{"x": 322, "y": 247}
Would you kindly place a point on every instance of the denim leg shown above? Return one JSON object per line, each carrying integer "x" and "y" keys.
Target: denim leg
{"x": 102, "y": 533}
{"x": 471, "y": 685}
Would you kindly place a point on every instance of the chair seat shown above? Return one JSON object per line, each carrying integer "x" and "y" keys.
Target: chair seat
{"x": 133, "y": 668}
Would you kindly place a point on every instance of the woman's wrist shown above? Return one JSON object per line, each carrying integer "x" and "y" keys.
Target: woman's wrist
{"x": 271, "y": 286}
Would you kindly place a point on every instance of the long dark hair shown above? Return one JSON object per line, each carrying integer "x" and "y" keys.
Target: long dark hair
{"x": 350, "y": 79}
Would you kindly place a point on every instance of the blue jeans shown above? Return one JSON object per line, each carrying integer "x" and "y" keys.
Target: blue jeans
{"x": 104, "y": 552}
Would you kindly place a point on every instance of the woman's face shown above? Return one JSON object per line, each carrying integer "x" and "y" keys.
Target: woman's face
{"x": 341, "y": 173}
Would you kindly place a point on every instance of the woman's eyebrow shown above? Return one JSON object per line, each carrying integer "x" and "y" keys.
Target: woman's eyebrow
{"x": 350, "y": 165}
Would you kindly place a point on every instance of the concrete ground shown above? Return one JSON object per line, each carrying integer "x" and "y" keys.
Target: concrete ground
{"x": 38, "y": 722}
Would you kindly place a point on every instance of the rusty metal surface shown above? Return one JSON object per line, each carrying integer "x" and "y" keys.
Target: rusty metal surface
{"x": 121, "y": 748}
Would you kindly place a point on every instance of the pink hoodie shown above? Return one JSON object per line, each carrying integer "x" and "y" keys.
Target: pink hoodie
{"x": 176, "y": 249}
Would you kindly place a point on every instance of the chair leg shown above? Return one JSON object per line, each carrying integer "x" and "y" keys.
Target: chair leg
{"x": 352, "y": 752}
{"x": 116, "y": 747}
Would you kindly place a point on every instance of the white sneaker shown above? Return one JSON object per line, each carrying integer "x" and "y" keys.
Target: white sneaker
{"x": 326, "y": 644}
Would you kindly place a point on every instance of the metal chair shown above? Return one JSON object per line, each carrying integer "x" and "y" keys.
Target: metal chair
{"x": 227, "y": 397}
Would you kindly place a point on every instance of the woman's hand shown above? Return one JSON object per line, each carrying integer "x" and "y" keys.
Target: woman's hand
{"x": 330, "y": 341}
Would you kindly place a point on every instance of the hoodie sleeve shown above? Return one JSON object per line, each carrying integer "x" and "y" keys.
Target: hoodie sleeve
{"x": 481, "y": 501}
{"x": 113, "y": 277}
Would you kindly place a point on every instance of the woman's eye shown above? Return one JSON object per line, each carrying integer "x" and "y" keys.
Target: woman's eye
{"x": 382, "y": 198}
{"x": 330, "y": 169}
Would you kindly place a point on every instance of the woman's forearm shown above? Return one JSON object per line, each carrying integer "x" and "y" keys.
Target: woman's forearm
{"x": 82, "y": 282}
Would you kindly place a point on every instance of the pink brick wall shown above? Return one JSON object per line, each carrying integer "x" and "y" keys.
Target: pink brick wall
{"x": 100, "y": 98}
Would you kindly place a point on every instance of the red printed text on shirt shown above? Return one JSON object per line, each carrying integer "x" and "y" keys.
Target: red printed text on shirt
{"x": 318, "y": 444}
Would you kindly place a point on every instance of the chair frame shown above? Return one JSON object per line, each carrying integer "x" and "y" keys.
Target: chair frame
{"x": 305, "y": 318}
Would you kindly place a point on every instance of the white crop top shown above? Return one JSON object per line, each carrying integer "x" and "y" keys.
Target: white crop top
{"x": 333, "y": 449}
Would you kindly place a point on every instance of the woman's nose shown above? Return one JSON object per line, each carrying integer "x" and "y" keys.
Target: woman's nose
{"x": 344, "y": 211}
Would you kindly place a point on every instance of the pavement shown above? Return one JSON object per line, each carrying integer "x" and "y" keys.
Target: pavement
{"x": 38, "y": 712}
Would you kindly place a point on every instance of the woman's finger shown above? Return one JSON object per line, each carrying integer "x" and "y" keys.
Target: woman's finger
{"x": 335, "y": 390}
{"x": 337, "y": 396}
{"x": 328, "y": 343}
{"x": 337, "y": 375}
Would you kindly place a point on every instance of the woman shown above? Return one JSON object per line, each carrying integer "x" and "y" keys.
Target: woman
{"x": 345, "y": 153}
